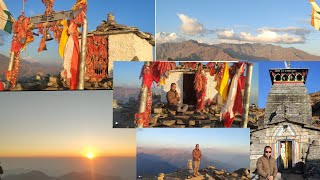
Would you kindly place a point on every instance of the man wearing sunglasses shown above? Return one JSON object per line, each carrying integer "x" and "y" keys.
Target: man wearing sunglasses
{"x": 266, "y": 165}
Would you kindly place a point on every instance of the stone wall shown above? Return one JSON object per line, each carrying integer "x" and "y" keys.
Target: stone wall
{"x": 271, "y": 135}
{"x": 288, "y": 101}
{"x": 125, "y": 47}
{"x": 177, "y": 77}
{"x": 313, "y": 157}
{"x": 211, "y": 87}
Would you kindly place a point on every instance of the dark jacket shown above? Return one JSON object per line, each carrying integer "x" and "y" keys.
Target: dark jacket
{"x": 172, "y": 98}
{"x": 267, "y": 166}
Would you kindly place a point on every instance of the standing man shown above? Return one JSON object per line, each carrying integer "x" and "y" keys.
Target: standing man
{"x": 266, "y": 165}
{"x": 196, "y": 154}
{"x": 173, "y": 99}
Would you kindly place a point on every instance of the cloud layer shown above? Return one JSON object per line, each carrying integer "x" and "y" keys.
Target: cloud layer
{"x": 163, "y": 37}
{"x": 288, "y": 35}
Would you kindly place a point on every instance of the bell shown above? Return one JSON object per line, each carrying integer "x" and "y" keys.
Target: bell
{"x": 45, "y": 48}
{"x": 48, "y": 37}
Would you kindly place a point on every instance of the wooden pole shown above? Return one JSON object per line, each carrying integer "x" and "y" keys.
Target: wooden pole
{"x": 82, "y": 65}
{"x": 246, "y": 99}
{"x": 143, "y": 99}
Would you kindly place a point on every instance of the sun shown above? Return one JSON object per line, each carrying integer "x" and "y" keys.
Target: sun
{"x": 90, "y": 155}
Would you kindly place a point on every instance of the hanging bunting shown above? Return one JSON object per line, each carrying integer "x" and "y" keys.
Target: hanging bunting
{"x": 200, "y": 87}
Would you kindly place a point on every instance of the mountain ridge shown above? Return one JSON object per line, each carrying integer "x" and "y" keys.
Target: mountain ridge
{"x": 178, "y": 158}
{"x": 27, "y": 69}
{"x": 192, "y": 50}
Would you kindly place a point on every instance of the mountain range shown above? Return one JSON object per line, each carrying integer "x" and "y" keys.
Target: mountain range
{"x": 165, "y": 160}
{"x": 124, "y": 93}
{"x": 27, "y": 68}
{"x": 194, "y": 51}
{"x": 38, "y": 175}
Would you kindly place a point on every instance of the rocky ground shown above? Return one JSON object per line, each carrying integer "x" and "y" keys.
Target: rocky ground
{"x": 208, "y": 173}
{"x": 161, "y": 116}
{"x": 123, "y": 113}
{"x": 54, "y": 82}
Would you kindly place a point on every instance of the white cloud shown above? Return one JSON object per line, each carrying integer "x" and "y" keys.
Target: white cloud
{"x": 190, "y": 26}
{"x": 267, "y": 35}
{"x": 163, "y": 37}
{"x": 293, "y": 30}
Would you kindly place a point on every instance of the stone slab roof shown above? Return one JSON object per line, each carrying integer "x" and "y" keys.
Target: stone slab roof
{"x": 111, "y": 27}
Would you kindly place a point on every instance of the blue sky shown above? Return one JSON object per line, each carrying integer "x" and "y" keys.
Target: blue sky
{"x": 126, "y": 74}
{"x": 312, "y": 83}
{"x": 139, "y": 13}
{"x": 239, "y": 16}
{"x": 221, "y": 138}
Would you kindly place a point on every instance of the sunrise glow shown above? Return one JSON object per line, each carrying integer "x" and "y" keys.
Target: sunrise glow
{"x": 90, "y": 155}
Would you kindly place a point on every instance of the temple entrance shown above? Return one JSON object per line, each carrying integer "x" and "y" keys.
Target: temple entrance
{"x": 285, "y": 154}
{"x": 189, "y": 93}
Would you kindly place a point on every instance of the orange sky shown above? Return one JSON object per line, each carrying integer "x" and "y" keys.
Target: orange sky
{"x": 61, "y": 124}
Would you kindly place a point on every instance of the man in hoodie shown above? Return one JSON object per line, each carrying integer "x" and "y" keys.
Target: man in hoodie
{"x": 173, "y": 99}
{"x": 196, "y": 154}
{"x": 267, "y": 166}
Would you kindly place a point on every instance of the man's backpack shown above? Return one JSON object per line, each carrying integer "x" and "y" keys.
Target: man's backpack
{"x": 1, "y": 170}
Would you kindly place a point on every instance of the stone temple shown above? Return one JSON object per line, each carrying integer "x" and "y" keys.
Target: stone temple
{"x": 287, "y": 124}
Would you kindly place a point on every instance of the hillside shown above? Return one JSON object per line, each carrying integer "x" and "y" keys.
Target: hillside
{"x": 192, "y": 50}
{"x": 123, "y": 93}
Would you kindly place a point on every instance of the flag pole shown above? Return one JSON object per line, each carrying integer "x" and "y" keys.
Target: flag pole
{"x": 246, "y": 99}
{"x": 22, "y": 5}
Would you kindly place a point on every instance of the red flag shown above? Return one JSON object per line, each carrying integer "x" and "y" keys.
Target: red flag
{"x": 1, "y": 86}
{"x": 75, "y": 64}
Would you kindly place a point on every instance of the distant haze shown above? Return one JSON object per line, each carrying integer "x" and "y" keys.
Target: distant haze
{"x": 115, "y": 166}
{"x": 167, "y": 150}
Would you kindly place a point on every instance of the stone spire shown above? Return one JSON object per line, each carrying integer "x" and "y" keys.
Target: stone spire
{"x": 288, "y": 99}
{"x": 111, "y": 19}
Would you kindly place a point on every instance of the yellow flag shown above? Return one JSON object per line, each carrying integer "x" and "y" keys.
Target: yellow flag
{"x": 222, "y": 88}
{"x": 162, "y": 81}
{"x": 63, "y": 38}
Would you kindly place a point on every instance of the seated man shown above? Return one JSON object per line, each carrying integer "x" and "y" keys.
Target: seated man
{"x": 173, "y": 100}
